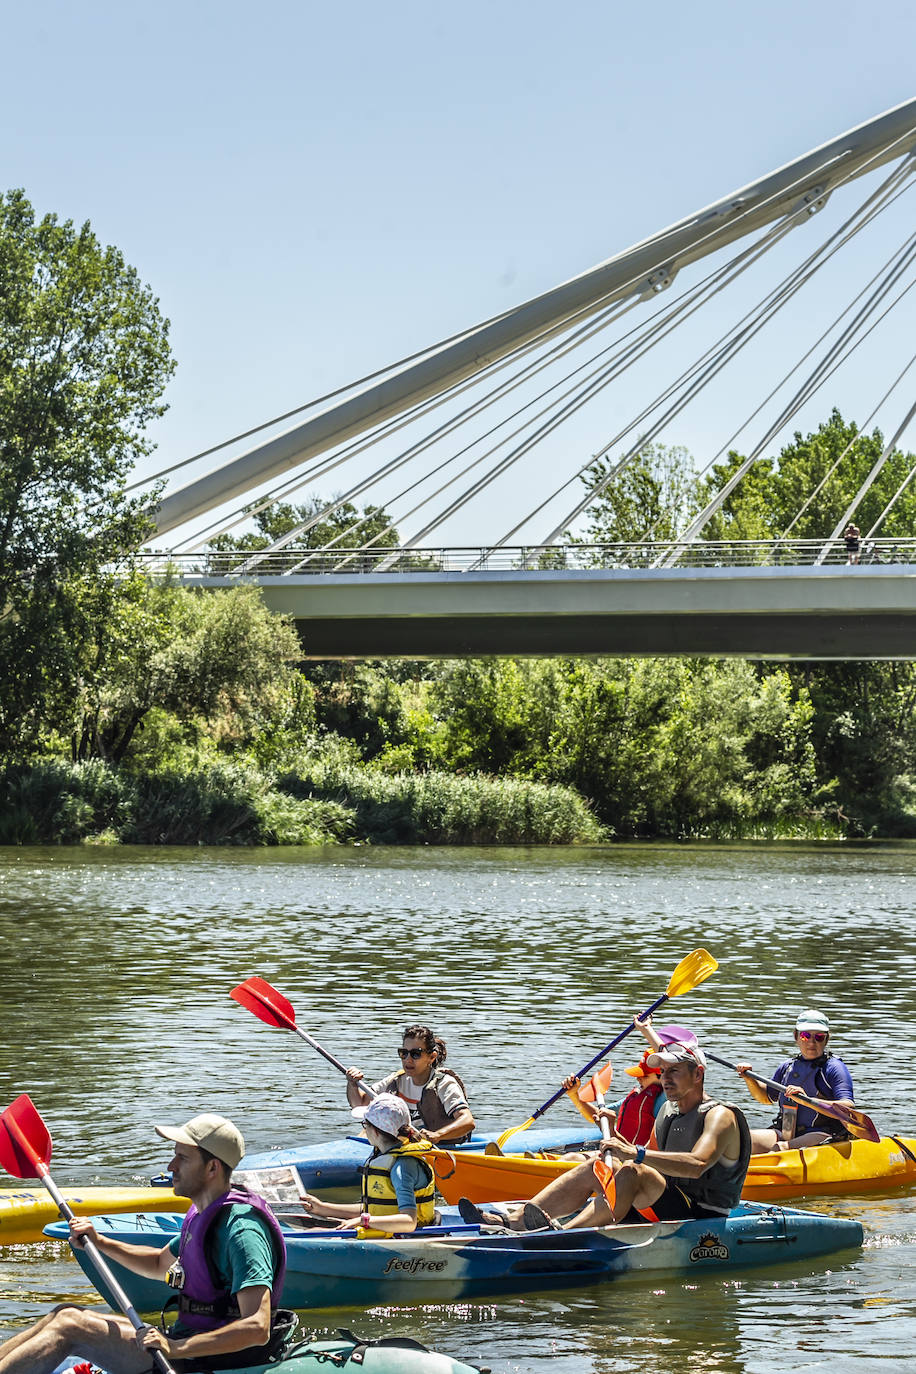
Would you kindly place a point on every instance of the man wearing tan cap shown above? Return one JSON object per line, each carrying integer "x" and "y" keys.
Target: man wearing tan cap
{"x": 226, "y": 1267}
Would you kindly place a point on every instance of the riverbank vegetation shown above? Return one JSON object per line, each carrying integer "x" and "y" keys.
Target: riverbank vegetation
{"x": 134, "y": 710}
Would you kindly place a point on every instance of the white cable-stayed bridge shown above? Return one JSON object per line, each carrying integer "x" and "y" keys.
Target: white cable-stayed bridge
{"x": 474, "y": 432}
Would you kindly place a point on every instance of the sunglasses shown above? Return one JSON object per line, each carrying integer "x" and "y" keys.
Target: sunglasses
{"x": 817, "y": 1036}
{"x": 411, "y": 1054}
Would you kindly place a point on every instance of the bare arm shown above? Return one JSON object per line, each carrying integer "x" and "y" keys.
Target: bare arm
{"x": 588, "y": 1109}
{"x": 459, "y": 1124}
{"x": 251, "y": 1327}
{"x": 720, "y": 1126}
{"x": 644, "y": 1026}
{"x": 757, "y": 1090}
{"x": 151, "y": 1262}
{"x": 356, "y": 1095}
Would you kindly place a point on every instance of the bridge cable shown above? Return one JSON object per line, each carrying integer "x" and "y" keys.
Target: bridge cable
{"x": 764, "y": 311}
{"x": 660, "y": 243}
{"x": 648, "y": 329}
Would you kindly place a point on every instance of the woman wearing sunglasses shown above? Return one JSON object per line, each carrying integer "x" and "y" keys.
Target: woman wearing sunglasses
{"x": 818, "y": 1073}
{"x": 435, "y": 1096}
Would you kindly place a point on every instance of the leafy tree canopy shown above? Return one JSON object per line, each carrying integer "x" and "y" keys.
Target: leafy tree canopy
{"x": 654, "y": 498}
{"x": 84, "y": 359}
{"x": 217, "y": 655}
{"x": 345, "y": 528}
{"x": 808, "y": 488}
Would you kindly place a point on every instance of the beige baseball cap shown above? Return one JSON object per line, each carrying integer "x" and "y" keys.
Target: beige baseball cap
{"x": 215, "y": 1134}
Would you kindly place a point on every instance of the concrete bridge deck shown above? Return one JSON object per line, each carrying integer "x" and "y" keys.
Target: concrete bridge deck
{"x": 831, "y": 611}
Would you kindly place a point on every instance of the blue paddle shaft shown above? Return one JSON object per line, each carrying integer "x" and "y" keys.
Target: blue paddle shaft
{"x": 586, "y": 1068}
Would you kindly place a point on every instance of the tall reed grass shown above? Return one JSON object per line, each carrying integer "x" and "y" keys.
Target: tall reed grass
{"x": 444, "y": 808}
{"x": 56, "y": 802}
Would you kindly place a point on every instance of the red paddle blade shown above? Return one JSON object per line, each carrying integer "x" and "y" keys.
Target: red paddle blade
{"x": 597, "y": 1085}
{"x": 257, "y": 996}
{"x": 25, "y": 1141}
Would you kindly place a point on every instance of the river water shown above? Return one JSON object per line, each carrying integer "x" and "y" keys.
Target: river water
{"x": 115, "y": 967}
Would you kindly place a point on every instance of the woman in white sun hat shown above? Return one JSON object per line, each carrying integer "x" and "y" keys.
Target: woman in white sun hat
{"x": 817, "y": 1073}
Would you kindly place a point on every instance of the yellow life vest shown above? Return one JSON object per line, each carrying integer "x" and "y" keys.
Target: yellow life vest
{"x": 379, "y": 1197}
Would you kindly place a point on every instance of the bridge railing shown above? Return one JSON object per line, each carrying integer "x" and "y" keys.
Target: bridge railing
{"x": 533, "y": 558}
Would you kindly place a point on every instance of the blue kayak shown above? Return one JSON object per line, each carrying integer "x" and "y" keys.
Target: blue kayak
{"x": 453, "y": 1261}
{"x": 332, "y": 1166}
{"x": 391, "y": 1355}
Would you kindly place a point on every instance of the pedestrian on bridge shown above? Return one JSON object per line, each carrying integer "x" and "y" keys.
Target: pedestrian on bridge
{"x": 852, "y": 535}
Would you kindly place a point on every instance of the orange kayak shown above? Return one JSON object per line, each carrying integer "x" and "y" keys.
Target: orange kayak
{"x": 849, "y": 1166}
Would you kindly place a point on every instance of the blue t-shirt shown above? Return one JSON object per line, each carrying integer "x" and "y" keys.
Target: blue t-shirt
{"x": 407, "y": 1178}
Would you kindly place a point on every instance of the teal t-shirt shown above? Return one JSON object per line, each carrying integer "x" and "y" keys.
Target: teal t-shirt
{"x": 241, "y": 1250}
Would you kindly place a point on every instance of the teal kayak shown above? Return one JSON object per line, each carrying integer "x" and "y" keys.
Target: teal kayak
{"x": 390, "y": 1355}
{"x": 454, "y": 1261}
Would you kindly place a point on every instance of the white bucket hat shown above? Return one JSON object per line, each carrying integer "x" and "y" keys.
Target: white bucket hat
{"x": 386, "y": 1112}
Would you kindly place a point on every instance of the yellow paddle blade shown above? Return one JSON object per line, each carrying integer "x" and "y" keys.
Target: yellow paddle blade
{"x": 691, "y": 971}
{"x": 501, "y": 1139}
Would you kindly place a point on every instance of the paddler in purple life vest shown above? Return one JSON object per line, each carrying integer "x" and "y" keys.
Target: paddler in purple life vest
{"x": 816, "y": 1072}
{"x": 226, "y": 1267}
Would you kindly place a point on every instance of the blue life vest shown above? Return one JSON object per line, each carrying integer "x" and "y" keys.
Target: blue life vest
{"x": 812, "y": 1076}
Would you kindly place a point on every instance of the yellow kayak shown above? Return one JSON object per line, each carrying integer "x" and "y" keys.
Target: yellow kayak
{"x": 25, "y": 1211}
{"x": 849, "y": 1166}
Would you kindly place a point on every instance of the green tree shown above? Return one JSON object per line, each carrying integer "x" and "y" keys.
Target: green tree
{"x": 654, "y": 498}
{"x": 84, "y": 359}
{"x": 275, "y": 521}
{"x": 674, "y": 747}
{"x": 216, "y": 655}
{"x": 810, "y": 486}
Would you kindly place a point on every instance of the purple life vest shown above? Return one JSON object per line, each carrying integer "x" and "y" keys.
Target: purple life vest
{"x": 204, "y": 1304}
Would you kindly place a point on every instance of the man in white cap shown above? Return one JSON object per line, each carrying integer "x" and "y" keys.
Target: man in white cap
{"x": 816, "y": 1072}
{"x": 227, "y": 1269}
{"x": 695, "y": 1167}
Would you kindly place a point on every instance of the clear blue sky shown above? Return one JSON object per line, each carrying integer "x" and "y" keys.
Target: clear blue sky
{"x": 315, "y": 190}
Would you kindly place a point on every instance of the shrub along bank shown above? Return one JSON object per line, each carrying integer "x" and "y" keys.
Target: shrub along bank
{"x": 226, "y": 803}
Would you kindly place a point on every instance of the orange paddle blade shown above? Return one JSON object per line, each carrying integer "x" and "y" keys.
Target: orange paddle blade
{"x": 605, "y": 1176}
{"x": 597, "y": 1085}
